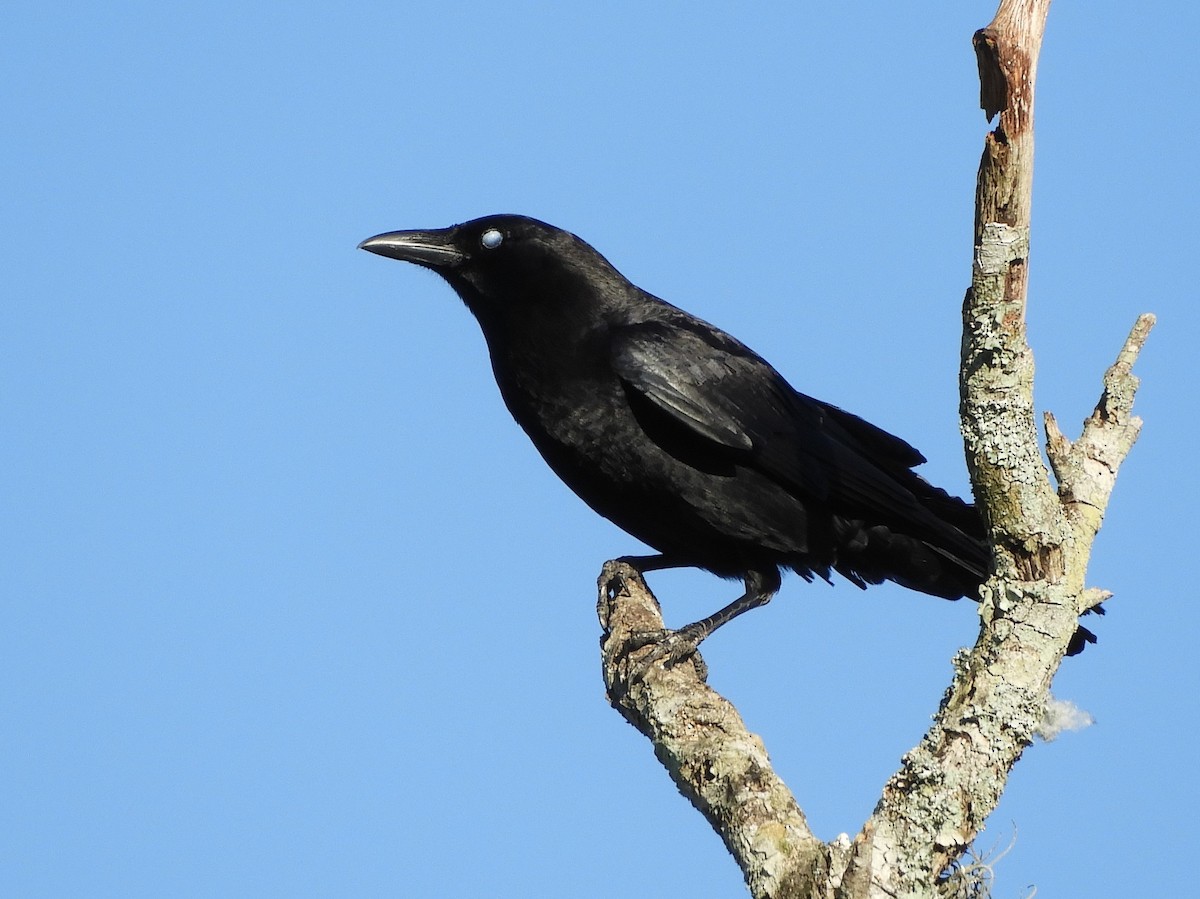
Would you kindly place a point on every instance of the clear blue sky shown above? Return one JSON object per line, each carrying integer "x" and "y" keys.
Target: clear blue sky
{"x": 291, "y": 607}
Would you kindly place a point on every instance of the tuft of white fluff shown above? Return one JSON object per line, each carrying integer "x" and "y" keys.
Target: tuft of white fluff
{"x": 1061, "y": 716}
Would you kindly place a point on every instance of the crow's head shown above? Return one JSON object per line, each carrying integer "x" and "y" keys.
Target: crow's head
{"x": 508, "y": 266}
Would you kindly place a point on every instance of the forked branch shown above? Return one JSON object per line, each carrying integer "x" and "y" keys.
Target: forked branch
{"x": 935, "y": 805}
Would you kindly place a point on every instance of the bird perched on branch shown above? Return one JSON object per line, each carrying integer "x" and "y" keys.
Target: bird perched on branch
{"x": 685, "y": 438}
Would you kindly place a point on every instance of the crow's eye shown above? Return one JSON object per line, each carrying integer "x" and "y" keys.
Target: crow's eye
{"x": 491, "y": 239}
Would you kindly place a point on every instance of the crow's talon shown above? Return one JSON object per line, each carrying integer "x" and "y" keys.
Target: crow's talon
{"x": 642, "y": 639}
{"x": 669, "y": 647}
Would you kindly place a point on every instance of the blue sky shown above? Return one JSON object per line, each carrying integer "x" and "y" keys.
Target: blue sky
{"x": 291, "y": 606}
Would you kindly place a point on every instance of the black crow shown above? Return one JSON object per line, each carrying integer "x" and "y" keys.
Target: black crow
{"x": 684, "y": 437}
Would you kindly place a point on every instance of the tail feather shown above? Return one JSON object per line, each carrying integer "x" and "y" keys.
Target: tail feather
{"x": 871, "y": 555}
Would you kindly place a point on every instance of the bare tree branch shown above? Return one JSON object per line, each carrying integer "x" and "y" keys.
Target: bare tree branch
{"x": 1087, "y": 469}
{"x": 699, "y": 737}
{"x": 936, "y": 804}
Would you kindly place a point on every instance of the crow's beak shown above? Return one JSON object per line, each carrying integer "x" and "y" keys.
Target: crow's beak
{"x": 434, "y": 249}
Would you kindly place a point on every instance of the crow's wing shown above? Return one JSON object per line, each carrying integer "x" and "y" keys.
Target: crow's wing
{"x": 692, "y": 389}
{"x": 731, "y": 400}
{"x": 728, "y": 400}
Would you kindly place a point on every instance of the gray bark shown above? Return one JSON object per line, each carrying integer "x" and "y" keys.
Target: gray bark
{"x": 937, "y": 802}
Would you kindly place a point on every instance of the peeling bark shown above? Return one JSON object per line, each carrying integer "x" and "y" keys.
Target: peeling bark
{"x": 935, "y": 805}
